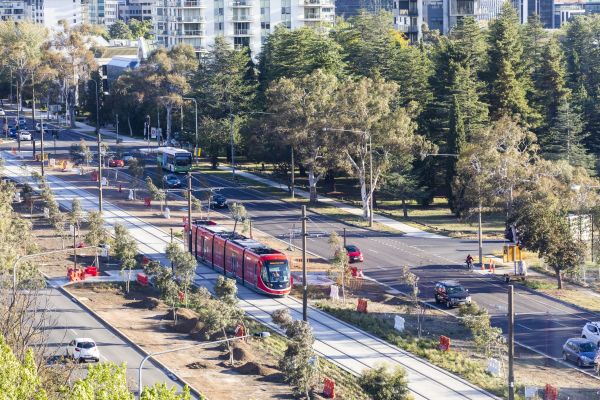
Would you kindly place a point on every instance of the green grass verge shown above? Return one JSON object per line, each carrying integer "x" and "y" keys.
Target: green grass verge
{"x": 452, "y": 361}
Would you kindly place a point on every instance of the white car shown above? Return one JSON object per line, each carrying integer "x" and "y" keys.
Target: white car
{"x": 38, "y": 127}
{"x": 24, "y": 135}
{"x": 82, "y": 349}
{"x": 591, "y": 331}
{"x": 2, "y": 112}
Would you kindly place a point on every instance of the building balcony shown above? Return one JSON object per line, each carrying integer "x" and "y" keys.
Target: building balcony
{"x": 313, "y": 17}
{"x": 192, "y": 20}
{"x": 316, "y": 3}
{"x": 241, "y": 32}
{"x": 407, "y": 28}
{"x": 192, "y": 33}
{"x": 241, "y": 3}
{"x": 243, "y": 18}
{"x": 411, "y": 12}
{"x": 190, "y": 3}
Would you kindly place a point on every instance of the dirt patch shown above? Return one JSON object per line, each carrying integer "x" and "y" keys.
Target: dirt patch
{"x": 254, "y": 368}
{"x": 202, "y": 367}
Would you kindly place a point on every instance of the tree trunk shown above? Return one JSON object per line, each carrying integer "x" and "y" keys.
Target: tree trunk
{"x": 312, "y": 184}
{"x": 404, "y": 208}
{"x": 364, "y": 196}
{"x": 301, "y": 170}
{"x": 129, "y": 125}
{"x": 559, "y": 278}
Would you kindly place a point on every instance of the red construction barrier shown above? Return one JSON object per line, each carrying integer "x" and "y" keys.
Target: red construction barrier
{"x": 362, "y": 305}
{"x": 145, "y": 260}
{"x": 550, "y": 392}
{"x": 94, "y": 175}
{"x": 329, "y": 388}
{"x": 147, "y": 201}
{"x": 80, "y": 245}
{"x": 91, "y": 270}
{"x": 240, "y": 330}
{"x": 354, "y": 271}
{"x": 75, "y": 275}
{"x": 181, "y": 295}
{"x": 185, "y": 223}
{"x": 142, "y": 279}
{"x": 444, "y": 343}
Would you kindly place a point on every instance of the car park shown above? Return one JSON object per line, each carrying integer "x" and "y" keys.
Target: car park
{"x": 354, "y": 253}
{"x": 171, "y": 181}
{"x": 591, "y": 331}
{"x": 580, "y": 351}
{"x": 83, "y": 349}
{"x": 218, "y": 201}
{"x": 451, "y": 294}
{"x": 24, "y": 135}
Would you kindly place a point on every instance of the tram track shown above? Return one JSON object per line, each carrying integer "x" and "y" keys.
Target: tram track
{"x": 115, "y": 214}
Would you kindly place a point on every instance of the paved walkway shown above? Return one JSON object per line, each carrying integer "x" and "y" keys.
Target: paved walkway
{"x": 348, "y": 347}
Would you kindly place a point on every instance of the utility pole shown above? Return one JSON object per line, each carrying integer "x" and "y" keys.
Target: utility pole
{"x": 232, "y": 149}
{"x": 304, "y": 279}
{"x": 371, "y": 182}
{"x": 117, "y": 127}
{"x": 480, "y": 240}
{"x": 344, "y": 237}
{"x": 189, "y": 201}
{"x": 511, "y": 343}
{"x": 42, "y": 141}
{"x": 292, "y": 183}
{"x": 99, "y": 148}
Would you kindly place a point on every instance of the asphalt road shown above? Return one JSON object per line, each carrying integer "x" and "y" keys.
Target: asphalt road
{"x": 541, "y": 323}
{"x": 69, "y": 321}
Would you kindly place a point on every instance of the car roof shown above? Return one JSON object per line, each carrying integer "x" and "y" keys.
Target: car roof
{"x": 84, "y": 339}
{"x": 579, "y": 340}
{"x": 450, "y": 283}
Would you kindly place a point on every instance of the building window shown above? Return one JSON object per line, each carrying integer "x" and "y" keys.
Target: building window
{"x": 286, "y": 10}
{"x": 265, "y": 25}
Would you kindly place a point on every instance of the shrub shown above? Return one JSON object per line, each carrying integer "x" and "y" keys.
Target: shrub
{"x": 383, "y": 383}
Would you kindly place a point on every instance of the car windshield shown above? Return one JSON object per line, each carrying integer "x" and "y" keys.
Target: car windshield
{"x": 172, "y": 178}
{"x": 352, "y": 249}
{"x": 587, "y": 347}
{"x": 277, "y": 271}
{"x": 454, "y": 289}
{"x": 183, "y": 161}
{"x": 86, "y": 345}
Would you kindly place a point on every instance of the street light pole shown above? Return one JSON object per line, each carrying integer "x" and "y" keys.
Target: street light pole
{"x": 260, "y": 335}
{"x": 117, "y": 127}
{"x": 196, "y": 110}
{"x": 511, "y": 343}
{"x": 189, "y": 203}
{"x": 99, "y": 147}
{"x": 304, "y": 278}
{"x": 232, "y": 149}
{"x": 371, "y": 189}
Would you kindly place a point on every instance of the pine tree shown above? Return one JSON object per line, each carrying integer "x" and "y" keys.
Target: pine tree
{"x": 550, "y": 86}
{"x": 566, "y": 136}
{"x": 456, "y": 142}
{"x": 506, "y": 68}
{"x": 534, "y": 39}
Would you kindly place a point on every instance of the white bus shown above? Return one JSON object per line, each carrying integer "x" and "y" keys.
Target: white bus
{"x": 173, "y": 159}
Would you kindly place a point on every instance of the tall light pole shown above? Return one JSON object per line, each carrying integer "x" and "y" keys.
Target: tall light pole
{"x": 261, "y": 335}
{"x": 117, "y": 126}
{"x": 99, "y": 147}
{"x": 196, "y": 109}
{"x": 371, "y": 188}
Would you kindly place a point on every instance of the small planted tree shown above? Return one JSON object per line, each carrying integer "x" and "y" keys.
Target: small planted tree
{"x": 156, "y": 193}
{"x": 340, "y": 262}
{"x": 84, "y": 152}
{"x": 185, "y": 268}
{"x": 420, "y": 309}
{"x": 488, "y": 339}
{"x": 384, "y": 383}
{"x": 136, "y": 170}
{"x": 125, "y": 249}
{"x": 76, "y": 214}
{"x": 97, "y": 233}
{"x": 240, "y": 215}
{"x": 226, "y": 290}
{"x": 298, "y": 364}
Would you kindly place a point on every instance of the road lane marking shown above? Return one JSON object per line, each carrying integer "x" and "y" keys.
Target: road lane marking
{"x": 526, "y": 327}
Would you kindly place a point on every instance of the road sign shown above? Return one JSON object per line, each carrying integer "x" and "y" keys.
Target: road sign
{"x": 154, "y": 132}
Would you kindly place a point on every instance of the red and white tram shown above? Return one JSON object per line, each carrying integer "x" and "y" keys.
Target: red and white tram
{"x": 255, "y": 265}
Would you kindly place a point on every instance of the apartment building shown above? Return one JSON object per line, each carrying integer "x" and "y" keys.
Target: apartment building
{"x": 136, "y": 9}
{"x": 14, "y": 10}
{"x": 242, "y": 22}
{"x": 101, "y": 12}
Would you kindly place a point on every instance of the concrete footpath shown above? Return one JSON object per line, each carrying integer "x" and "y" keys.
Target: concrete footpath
{"x": 348, "y": 347}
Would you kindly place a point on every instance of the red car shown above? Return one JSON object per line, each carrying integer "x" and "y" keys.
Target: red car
{"x": 354, "y": 254}
{"x": 116, "y": 163}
